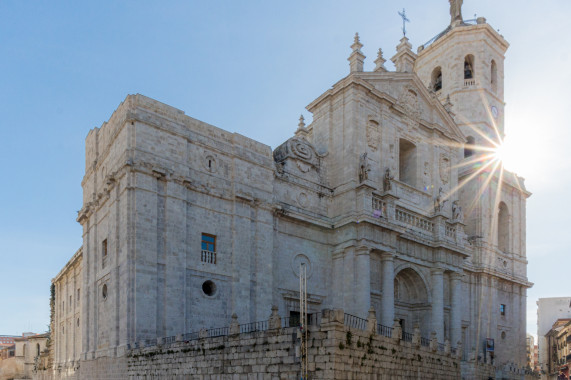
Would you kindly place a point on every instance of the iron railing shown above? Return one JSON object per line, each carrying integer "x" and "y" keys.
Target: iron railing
{"x": 355, "y": 322}
{"x": 406, "y": 336}
{"x": 384, "y": 330}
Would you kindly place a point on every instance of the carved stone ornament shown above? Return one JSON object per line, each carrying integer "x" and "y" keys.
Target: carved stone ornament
{"x": 303, "y": 199}
{"x": 408, "y": 100}
{"x": 373, "y": 134}
{"x": 297, "y": 260}
{"x": 444, "y": 165}
{"x": 300, "y": 150}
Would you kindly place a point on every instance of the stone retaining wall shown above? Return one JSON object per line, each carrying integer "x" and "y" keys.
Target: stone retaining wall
{"x": 335, "y": 351}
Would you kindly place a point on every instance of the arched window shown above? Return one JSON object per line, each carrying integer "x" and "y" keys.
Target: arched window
{"x": 24, "y": 350}
{"x": 407, "y": 162}
{"x": 469, "y": 67}
{"x": 503, "y": 228}
{"x": 436, "y": 79}
{"x": 494, "y": 76}
{"x": 469, "y": 147}
{"x": 37, "y": 349}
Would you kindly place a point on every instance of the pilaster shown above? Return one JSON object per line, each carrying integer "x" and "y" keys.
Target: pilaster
{"x": 387, "y": 288}
{"x": 438, "y": 302}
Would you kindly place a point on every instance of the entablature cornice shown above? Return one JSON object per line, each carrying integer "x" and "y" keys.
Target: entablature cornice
{"x": 492, "y": 273}
{"x": 287, "y": 211}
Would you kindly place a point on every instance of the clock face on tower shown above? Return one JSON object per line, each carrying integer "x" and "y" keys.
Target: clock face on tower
{"x": 494, "y": 112}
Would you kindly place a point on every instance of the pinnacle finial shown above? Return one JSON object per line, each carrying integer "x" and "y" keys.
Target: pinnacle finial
{"x": 301, "y": 122}
{"x": 357, "y": 45}
{"x": 356, "y": 58}
{"x": 380, "y": 61}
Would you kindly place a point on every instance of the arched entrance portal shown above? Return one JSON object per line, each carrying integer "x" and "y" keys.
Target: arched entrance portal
{"x": 412, "y": 304}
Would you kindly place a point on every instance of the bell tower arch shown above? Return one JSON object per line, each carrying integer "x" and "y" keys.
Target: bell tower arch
{"x": 469, "y": 57}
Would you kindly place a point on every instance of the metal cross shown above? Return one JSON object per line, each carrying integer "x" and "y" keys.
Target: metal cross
{"x": 404, "y": 20}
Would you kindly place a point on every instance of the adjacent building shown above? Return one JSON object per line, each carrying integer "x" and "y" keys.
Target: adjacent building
{"x": 27, "y": 355}
{"x": 549, "y": 310}
{"x": 66, "y": 325}
{"x": 558, "y": 340}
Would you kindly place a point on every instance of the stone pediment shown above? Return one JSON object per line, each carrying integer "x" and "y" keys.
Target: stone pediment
{"x": 422, "y": 106}
{"x": 300, "y": 150}
{"x": 407, "y": 95}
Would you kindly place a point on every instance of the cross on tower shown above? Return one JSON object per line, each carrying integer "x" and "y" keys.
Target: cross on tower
{"x": 404, "y": 20}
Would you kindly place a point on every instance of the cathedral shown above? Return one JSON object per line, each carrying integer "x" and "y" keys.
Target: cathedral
{"x": 391, "y": 197}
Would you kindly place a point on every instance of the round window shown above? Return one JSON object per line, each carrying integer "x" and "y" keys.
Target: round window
{"x": 209, "y": 288}
{"x": 104, "y": 291}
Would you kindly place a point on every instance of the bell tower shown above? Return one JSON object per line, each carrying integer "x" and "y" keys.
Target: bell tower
{"x": 465, "y": 62}
{"x": 464, "y": 67}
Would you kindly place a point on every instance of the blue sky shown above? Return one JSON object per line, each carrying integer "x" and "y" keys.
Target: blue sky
{"x": 245, "y": 66}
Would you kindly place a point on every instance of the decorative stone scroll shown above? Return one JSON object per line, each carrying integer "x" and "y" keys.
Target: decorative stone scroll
{"x": 301, "y": 151}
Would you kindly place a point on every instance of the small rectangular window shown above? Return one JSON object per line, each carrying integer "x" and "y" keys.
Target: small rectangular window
{"x": 208, "y": 242}
{"x": 77, "y": 298}
{"x": 104, "y": 252}
{"x": 502, "y": 309}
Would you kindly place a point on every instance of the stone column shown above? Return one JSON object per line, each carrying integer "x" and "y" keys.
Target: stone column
{"x": 456, "y": 310}
{"x": 438, "y": 303}
{"x": 388, "y": 289}
{"x": 362, "y": 281}
{"x": 337, "y": 281}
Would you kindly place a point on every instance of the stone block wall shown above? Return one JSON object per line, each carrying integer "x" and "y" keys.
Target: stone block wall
{"x": 335, "y": 351}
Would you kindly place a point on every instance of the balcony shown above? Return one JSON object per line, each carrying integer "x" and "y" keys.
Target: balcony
{"x": 208, "y": 257}
{"x": 436, "y": 227}
{"x": 469, "y": 82}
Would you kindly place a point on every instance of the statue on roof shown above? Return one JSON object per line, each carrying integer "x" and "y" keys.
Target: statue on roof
{"x": 455, "y": 10}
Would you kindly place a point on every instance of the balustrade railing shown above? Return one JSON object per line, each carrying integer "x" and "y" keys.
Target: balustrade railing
{"x": 469, "y": 82}
{"x": 379, "y": 207}
{"x": 407, "y": 337}
{"x": 208, "y": 257}
{"x": 384, "y": 330}
{"x": 355, "y": 322}
{"x": 219, "y": 331}
{"x": 414, "y": 220}
{"x": 351, "y": 321}
{"x": 450, "y": 231}
{"x": 254, "y": 326}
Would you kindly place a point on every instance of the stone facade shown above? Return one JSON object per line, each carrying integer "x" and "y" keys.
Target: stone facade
{"x": 185, "y": 224}
{"x": 66, "y": 324}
